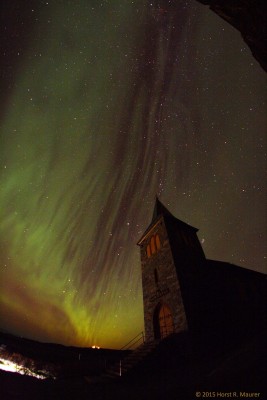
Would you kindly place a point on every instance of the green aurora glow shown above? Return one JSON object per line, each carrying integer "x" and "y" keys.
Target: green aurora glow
{"x": 110, "y": 105}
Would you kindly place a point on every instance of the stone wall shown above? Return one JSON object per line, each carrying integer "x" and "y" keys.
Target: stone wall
{"x": 167, "y": 288}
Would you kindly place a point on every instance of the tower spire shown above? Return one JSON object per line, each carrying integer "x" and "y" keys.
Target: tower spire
{"x": 159, "y": 209}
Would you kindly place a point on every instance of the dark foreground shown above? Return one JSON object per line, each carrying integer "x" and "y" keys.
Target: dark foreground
{"x": 170, "y": 373}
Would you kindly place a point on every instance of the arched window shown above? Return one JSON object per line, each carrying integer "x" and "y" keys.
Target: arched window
{"x": 163, "y": 321}
{"x": 148, "y": 251}
{"x": 158, "y": 244}
{"x": 153, "y": 247}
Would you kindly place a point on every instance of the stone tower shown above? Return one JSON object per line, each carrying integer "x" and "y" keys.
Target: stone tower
{"x": 170, "y": 255}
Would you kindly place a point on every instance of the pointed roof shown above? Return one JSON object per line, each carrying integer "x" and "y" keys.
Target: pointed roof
{"x": 161, "y": 211}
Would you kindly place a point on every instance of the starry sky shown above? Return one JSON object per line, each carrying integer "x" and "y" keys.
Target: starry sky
{"x": 104, "y": 105}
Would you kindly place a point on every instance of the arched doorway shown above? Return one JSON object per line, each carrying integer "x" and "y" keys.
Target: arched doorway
{"x": 163, "y": 321}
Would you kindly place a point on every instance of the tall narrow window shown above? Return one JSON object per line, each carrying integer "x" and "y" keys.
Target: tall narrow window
{"x": 153, "y": 247}
{"x": 158, "y": 244}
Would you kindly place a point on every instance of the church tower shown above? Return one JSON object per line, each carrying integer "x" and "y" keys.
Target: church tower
{"x": 171, "y": 255}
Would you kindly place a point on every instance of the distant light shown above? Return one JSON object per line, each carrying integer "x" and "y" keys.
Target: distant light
{"x": 95, "y": 347}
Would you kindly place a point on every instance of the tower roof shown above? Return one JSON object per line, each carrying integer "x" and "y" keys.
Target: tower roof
{"x": 161, "y": 211}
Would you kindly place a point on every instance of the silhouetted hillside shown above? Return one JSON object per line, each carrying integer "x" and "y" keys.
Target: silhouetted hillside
{"x": 177, "y": 369}
{"x": 56, "y": 359}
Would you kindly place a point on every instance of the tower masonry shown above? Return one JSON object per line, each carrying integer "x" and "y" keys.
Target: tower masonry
{"x": 167, "y": 247}
{"x": 212, "y": 301}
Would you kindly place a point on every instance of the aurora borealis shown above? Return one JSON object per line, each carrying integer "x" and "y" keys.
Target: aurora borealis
{"x": 104, "y": 105}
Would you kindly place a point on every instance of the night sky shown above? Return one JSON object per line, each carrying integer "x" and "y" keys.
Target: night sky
{"x": 104, "y": 105}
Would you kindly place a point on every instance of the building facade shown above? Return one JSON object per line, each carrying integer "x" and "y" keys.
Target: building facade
{"x": 182, "y": 290}
{"x": 164, "y": 311}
